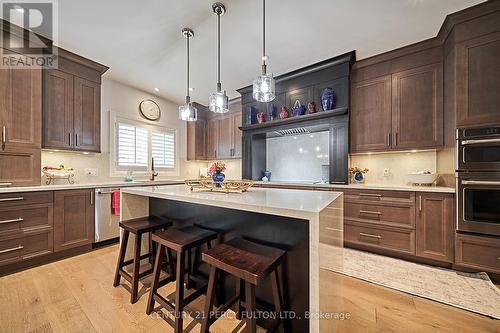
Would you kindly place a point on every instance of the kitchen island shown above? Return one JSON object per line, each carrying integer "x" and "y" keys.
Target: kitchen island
{"x": 287, "y": 219}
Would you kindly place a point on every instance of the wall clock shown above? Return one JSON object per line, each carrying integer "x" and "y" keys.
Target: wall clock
{"x": 149, "y": 109}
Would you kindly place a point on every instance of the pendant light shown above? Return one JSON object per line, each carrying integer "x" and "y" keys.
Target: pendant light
{"x": 264, "y": 86}
{"x": 218, "y": 101}
{"x": 187, "y": 111}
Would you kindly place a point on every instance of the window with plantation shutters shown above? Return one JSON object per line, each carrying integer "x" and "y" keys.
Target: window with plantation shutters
{"x": 163, "y": 149}
{"x": 132, "y": 146}
{"x": 138, "y": 142}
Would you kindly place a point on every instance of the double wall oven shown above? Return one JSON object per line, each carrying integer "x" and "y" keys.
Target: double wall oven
{"x": 478, "y": 180}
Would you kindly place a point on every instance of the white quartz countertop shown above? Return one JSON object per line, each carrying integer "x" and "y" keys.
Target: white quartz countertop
{"x": 118, "y": 184}
{"x": 391, "y": 187}
{"x": 276, "y": 201}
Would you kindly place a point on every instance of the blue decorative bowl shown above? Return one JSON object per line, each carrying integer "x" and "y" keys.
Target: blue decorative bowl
{"x": 218, "y": 178}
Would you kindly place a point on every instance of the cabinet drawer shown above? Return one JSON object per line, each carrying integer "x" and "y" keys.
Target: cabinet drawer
{"x": 25, "y": 198}
{"x": 31, "y": 245}
{"x": 357, "y": 196}
{"x": 394, "y": 239}
{"x": 16, "y": 220}
{"x": 478, "y": 252}
{"x": 402, "y": 215}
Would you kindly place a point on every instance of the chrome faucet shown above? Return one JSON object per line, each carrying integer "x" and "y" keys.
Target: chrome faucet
{"x": 153, "y": 172}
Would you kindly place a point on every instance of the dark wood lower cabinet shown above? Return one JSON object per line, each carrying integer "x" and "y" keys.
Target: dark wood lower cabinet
{"x": 435, "y": 226}
{"x": 479, "y": 253}
{"x": 73, "y": 218}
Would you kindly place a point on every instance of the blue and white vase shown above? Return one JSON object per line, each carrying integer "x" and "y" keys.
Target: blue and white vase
{"x": 218, "y": 178}
{"x": 328, "y": 99}
{"x": 359, "y": 177}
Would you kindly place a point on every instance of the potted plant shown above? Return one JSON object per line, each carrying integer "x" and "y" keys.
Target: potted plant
{"x": 216, "y": 171}
{"x": 357, "y": 174}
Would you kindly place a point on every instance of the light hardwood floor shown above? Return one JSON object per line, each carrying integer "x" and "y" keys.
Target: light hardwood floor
{"x": 76, "y": 295}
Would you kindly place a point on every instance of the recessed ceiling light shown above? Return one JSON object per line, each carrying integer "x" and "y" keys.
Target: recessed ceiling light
{"x": 157, "y": 89}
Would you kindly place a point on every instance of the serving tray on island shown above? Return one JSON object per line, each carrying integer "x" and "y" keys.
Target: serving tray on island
{"x": 228, "y": 186}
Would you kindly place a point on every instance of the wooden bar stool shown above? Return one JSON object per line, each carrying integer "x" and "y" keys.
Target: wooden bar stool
{"x": 138, "y": 227}
{"x": 250, "y": 263}
{"x": 181, "y": 240}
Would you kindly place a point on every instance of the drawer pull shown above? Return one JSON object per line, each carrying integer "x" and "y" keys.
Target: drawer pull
{"x": 11, "y": 221}
{"x": 5, "y": 184}
{"x": 370, "y": 235}
{"x": 20, "y": 247}
{"x": 369, "y": 212}
{"x": 12, "y": 199}
{"x": 370, "y": 195}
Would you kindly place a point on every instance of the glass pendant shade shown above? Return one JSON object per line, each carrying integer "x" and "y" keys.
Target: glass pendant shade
{"x": 264, "y": 88}
{"x": 218, "y": 102}
{"x": 188, "y": 112}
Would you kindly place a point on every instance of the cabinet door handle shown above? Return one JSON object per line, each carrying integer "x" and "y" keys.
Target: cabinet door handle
{"x": 12, "y": 199}
{"x": 76, "y": 140}
{"x": 362, "y": 234}
{"x": 370, "y": 195}
{"x": 91, "y": 198}
{"x": 419, "y": 203}
{"x": 69, "y": 137}
{"x": 20, "y": 219}
{"x": 5, "y": 184}
{"x": 395, "y": 139}
{"x": 388, "y": 139}
{"x": 4, "y": 135}
{"x": 369, "y": 212}
{"x": 20, "y": 247}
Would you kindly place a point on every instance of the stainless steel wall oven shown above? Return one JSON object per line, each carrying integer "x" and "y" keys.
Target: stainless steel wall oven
{"x": 478, "y": 180}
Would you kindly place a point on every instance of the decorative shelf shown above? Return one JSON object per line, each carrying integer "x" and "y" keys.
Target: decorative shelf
{"x": 297, "y": 119}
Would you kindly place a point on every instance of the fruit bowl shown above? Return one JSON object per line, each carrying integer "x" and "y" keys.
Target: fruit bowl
{"x": 422, "y": 178}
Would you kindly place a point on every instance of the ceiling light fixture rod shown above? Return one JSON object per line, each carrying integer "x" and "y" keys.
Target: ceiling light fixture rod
{"x": 188, "y": 33}
{"x": 264, "y": 69}
{"x": 219, "y": 10}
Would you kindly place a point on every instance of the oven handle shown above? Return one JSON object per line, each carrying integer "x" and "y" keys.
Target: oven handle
{"x": 480, "y": 182}
{"x": 474, "y": 142}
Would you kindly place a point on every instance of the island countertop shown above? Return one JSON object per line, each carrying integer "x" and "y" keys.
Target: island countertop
{"x": 277, "y": 201}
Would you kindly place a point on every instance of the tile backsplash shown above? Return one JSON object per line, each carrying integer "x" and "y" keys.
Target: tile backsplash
{"x": 393, "y": 168}
{"x": 297, "y": 158}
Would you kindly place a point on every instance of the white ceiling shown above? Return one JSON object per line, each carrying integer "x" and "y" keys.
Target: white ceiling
{"x": 142, "y": 44}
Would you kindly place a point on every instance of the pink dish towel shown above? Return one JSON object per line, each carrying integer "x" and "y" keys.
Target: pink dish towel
{"x": 115, "y": 202}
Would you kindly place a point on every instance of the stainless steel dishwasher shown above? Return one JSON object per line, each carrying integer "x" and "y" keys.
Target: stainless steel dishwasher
{"x": 106, "y": 223}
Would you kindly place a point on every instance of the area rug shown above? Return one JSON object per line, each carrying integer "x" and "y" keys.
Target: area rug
{"x": 472, "y": 292}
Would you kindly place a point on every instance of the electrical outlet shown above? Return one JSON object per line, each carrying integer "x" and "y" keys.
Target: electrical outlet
{"x": 91, "y": 172}
{"x": 386, "y": 172}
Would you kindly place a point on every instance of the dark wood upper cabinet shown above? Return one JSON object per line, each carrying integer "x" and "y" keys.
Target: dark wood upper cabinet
{"x": 73, "y": 218}
{"x": 197, "y": 140}
{"x": 212, "y": 138}
{"x": 417, "y": 107}
{"x": 435, "y": 226}
{"x": 58, "y": 109}
{"x": 20, "y": 127}
{"x": 225, "y": 138}
{"x": 20, "y": 100}
{"x": 398, "y": 111}
{"x": 215, "y": 136}
{"x": 87, "y": 115}
{"x": 72, "y": 104}
{"x": 371, "y": 115}
{"x": 478, "y": 81}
